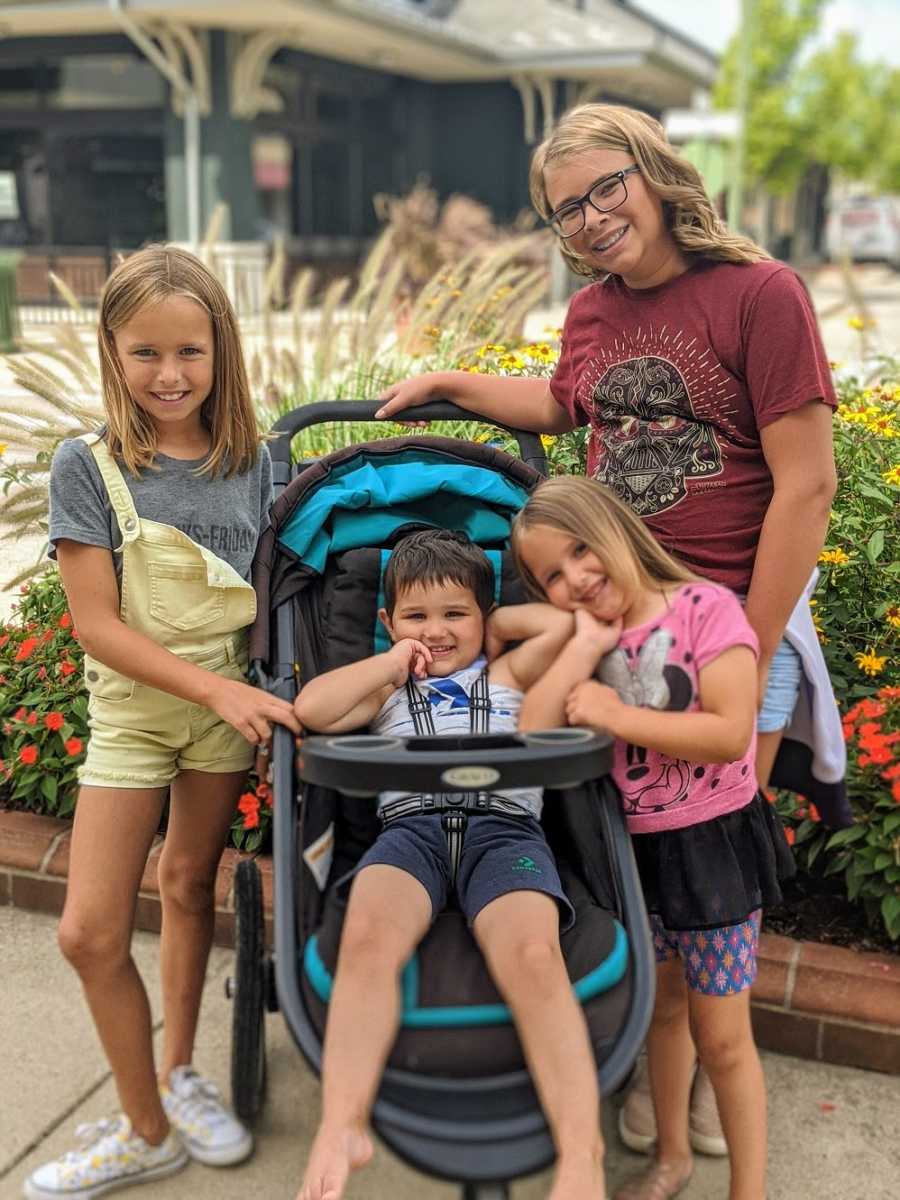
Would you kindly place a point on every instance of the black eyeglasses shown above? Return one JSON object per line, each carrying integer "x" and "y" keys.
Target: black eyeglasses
{"x": 606, "y": 194}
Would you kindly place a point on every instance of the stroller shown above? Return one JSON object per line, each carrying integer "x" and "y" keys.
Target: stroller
{"x": 455, "y": 1100}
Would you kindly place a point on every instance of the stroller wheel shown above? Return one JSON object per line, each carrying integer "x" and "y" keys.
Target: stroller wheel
{"x": 248, "y": 1037}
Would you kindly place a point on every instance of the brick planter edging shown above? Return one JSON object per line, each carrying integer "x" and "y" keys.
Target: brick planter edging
{"x": 811, "y": 1000}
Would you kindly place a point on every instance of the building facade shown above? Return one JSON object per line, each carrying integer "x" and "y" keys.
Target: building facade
{"x": 304, "y": 110}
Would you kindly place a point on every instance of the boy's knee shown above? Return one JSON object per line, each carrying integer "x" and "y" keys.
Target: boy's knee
{"x": 527, "y": 959}
{"x": 367, "y": 941}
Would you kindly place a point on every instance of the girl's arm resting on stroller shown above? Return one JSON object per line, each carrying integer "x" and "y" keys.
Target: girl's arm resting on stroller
{"x": 349, "y": 697}
{"x": 517, "y": 401}
{"x": 89, "y": 579}
{"x": 719, "y": 732}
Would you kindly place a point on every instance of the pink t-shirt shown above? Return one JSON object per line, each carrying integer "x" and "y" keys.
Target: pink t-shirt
{"x": 675, "y": 383}
{"x": 657, "y": 665}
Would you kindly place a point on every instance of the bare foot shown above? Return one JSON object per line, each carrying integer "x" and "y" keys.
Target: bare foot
{"x": 334, "y": 1154}
{"x": 579, "y": 1178}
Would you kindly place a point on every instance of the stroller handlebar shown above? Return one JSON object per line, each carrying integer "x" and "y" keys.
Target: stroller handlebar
{"x": 531, "y": 450}
{"x": 364, "y": 764}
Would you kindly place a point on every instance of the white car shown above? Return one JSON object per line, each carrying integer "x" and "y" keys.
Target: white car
{"x": 867, "y": 228}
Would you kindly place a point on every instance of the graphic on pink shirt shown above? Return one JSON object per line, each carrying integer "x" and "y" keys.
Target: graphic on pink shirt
{"x": 652, "y": 783}
{"x": 657, "y": 665}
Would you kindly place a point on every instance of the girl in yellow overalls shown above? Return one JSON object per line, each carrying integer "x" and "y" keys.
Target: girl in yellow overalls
{"x": 154, "y": 523}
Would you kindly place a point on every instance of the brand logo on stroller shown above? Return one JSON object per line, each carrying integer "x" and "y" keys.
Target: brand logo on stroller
{"x": 527, "y": 864}
{"x": 470, "y": 777}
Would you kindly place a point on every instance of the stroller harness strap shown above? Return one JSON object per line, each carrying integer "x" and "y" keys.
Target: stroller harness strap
{"x": 454, "y": 807}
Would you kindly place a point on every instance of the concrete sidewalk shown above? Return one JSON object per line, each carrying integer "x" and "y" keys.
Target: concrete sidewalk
{"x": 833, "y": 1129}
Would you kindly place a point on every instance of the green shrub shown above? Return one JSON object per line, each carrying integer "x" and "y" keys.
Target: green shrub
{"x": 868, "y": 853}
{"x": 43, "y": 706}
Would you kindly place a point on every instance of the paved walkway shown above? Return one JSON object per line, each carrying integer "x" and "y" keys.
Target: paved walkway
{"x": 833, "y": 1129}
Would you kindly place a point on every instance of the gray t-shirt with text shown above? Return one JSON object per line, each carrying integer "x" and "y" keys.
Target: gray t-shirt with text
{"x": 224, "y": 515}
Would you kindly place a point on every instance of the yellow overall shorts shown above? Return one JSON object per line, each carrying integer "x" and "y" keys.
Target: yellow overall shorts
{"x": 195, "y": 604}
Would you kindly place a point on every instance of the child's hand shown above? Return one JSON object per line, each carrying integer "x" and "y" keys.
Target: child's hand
{"x": 410, "y": 658}
{"x": 250, "y": 710}
{"x": 593, "y": 704}
{"x": 597, "y": 637}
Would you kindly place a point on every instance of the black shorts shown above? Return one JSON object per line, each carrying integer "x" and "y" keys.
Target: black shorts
{"x": 499, "y": 855}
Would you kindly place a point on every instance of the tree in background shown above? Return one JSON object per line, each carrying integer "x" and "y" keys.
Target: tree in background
{"x": 829, "y": 109}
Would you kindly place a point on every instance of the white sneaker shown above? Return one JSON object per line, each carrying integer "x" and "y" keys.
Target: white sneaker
{"x": 211, "y": 1133}
{"x": 110, "y": 1157}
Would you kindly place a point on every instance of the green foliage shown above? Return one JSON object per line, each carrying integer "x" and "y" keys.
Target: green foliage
{"x": 43, "y": 706}
{"x": 830, "y": 108}
{"x": 867, "y": 854}
{"x": 857, "y": 604}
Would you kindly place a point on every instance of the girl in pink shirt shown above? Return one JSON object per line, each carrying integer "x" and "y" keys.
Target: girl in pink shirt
{"x": 678, "y": 694}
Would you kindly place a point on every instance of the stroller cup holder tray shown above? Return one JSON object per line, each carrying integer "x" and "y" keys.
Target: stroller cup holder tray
{"x": 364, "y": 764}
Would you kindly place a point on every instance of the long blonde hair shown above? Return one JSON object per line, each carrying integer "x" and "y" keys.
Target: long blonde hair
{"x": 586, "y": 510}
{"x": 144, "y": 279}
{"x": 690, "y": 217}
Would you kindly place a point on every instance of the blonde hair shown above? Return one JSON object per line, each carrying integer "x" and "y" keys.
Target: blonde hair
{"x": 147, "y": 278}
{"x": 584, "y": 509}
{"x": 690, "y": 218}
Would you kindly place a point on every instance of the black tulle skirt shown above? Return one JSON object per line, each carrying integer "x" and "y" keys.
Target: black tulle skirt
{"x": 717, "y": 872}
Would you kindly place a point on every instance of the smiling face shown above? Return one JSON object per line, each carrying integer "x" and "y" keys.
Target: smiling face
{"x": 632, "y": 241}
{"x": 570, "y": 574}
{"x": 446, "y": 617}
{"x": 166, "y": 352}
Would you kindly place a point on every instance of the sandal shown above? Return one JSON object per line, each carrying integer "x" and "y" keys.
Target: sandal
{"x": 659, "y": 1182}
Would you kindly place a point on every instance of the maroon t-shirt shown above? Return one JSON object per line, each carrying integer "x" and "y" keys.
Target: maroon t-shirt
{"x": 676, "y": 382}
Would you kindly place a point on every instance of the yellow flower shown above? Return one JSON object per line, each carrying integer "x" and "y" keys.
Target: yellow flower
{"x": 2, "y": 449}
{"x": 836, "y": 558}
{"x": 893, "y": 475}
{"x": 547, "y": 441}
{"x": 870, "y": 663}
{"x": 856, "y": 323}
{"x": 892, "y": 615}
{"x": 817, "y": 624}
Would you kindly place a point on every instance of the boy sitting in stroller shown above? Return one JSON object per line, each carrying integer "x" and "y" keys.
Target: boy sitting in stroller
{"x": 439, "y": 590}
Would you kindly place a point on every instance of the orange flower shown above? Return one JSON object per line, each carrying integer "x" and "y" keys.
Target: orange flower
{"x": 26, "y": 648}
{"x": 891, "y": 773}
{"x": 264, "y": 792}
{"x": 73, "y": 746}
{"x": 249, "y": 806}
{"x": 895, "y": 791}
{"x": 65, "y": 620}
{"x": 66, "y": 668}
{"x": 54, "y": 720}
{"x": 28, "y": 755}
{"x": 790, "y": 835}
{"x": 885, "y": 693}
{"x": 814, "y": 813}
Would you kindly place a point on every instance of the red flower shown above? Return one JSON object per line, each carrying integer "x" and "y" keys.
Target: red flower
{"x": 891, "y": 773}
{"x": 65, "y": 620}
{"x": 48, "y": 637}
{"x": 54, "y": 720}
{"x": 895, "y": 790}
{"x": 73, "y": 746}
{"x": 66, "y": 668}
{"x": 790, "y": 835}
{"x": 42, "y": 673}
{"x": 885, "y": 693}
{"x": 26, "y": 648}
{"x": 31, "y": 719}
{"x": 28, "y": 755}
{"x": 19, "y": 714}
{"x": 249, "y": 806}
{"x": 3, "y": 640}
{"x": 264, "y": 792}
{"x": 814, "y": 813}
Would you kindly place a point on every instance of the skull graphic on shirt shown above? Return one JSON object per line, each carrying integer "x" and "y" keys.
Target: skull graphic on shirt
{"x": 648, "y": 436}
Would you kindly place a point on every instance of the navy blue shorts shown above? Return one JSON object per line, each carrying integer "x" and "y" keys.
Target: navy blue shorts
{"x": 500, "y": 854}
